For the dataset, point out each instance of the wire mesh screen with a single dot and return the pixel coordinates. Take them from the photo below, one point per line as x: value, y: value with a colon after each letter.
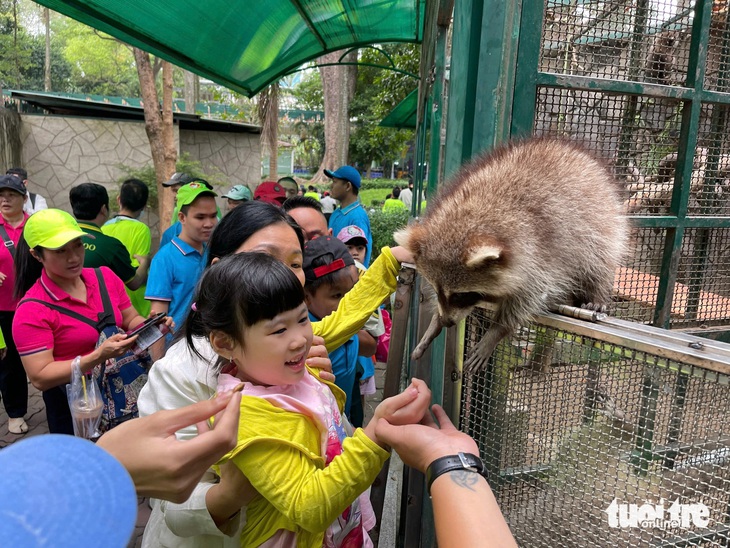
x: 638, y: 41
x: 576, y: 430
x: 638, y: 135
x: 718, y: 48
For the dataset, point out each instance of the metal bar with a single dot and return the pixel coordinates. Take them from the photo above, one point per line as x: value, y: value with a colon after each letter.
x: 642, y: 456
x: 623, y: 87
x: 665, y: 221
x: 528, y: 59
x: 677, y: 414
x: 308, y: 21
x: 496, y: 75
x: 465, y: 57
x: 393, y: 373
x: 700, y: 356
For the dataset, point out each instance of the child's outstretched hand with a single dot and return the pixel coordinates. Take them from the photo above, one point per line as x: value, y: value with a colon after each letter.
x: 408, y: 407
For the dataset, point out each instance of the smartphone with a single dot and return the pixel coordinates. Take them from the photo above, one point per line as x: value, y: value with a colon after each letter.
x: 148, y: 333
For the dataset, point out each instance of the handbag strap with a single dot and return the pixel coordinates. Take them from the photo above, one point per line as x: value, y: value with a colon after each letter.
x: 105, y: 318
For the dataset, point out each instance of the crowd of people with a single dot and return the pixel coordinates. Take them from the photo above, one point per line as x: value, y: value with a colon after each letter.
x: 271, y: 315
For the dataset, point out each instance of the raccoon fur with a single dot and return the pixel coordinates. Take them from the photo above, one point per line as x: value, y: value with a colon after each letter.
x: 529, y: 225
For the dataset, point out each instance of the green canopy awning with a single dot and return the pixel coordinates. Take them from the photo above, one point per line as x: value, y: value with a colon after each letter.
x: 405, y: 113
x: 247, y: 44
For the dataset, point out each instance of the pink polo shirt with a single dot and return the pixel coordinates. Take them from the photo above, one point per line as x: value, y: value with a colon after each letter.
x: 37, y: 328
x: 7, y: 303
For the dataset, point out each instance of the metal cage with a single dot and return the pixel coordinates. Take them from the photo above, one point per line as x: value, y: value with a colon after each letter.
x: 577, y: 421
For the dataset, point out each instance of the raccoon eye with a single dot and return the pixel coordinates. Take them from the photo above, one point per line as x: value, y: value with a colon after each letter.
x: 464, y: 300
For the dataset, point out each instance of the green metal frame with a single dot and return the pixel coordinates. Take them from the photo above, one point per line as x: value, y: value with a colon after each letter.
x: 692, y: 96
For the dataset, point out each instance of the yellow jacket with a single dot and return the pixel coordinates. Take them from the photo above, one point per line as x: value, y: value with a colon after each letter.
x: 282, y: 461
x: 373, y: 287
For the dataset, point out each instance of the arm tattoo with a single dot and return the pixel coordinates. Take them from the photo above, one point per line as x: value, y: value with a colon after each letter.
x: 464, y: 478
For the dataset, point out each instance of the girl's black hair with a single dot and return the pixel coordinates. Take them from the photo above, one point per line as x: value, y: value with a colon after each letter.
x: 243, y: 222
x: 27, y: 268
x: 239, y: 291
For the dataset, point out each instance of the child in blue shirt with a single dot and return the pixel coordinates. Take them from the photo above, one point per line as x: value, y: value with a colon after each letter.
x: 330, y: 272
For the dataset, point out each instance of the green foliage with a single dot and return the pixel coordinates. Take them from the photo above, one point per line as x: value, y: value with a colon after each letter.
x: 383, y: 225
x: 369, y: 184
x: 60, y: 68
x: 308, y: 136
x: 100, y: 64
x: 378, y: 92
x: 15, y: 46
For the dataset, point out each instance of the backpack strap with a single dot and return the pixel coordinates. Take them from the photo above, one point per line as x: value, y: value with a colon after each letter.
x: 8, y: 242
x: 32, y: 196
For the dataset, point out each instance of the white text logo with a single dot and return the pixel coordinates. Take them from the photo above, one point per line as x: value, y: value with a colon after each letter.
x: 648, y: 515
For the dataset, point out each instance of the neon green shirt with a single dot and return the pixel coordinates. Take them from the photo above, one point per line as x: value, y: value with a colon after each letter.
x: 393, y: 204
x: 312, y: 194
x: 135, y: 235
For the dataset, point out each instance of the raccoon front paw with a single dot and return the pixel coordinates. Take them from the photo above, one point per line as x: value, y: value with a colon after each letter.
x: 419, y: 350
x: 476, y: 363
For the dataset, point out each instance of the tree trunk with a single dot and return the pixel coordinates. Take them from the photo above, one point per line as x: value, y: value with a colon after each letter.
x: 158, y: 125
x: 191, y: 91
x: 338, y: 88
x: 268, y: 111
x: 47, y: 67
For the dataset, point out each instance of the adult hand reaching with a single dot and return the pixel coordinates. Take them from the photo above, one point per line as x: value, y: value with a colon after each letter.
x: 160, y: 465
x: 418, y: 445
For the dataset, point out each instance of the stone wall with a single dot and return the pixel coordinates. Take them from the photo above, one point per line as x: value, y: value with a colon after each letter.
x: 61, y: 152
x: 236, y: 156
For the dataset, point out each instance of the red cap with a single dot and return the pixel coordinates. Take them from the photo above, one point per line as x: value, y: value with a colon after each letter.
x: 270, y: 191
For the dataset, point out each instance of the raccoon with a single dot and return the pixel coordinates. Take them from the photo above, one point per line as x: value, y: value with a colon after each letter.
x: 531, y: 224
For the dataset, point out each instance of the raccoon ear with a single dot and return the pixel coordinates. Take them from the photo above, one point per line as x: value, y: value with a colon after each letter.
x: 480, y: 256
x: 410, y: 238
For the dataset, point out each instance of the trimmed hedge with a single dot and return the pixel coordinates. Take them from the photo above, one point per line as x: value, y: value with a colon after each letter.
x: 383, y: 225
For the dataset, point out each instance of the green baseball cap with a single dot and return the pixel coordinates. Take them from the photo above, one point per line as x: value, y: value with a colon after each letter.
x: 51, y: 228
x: 189, y: 193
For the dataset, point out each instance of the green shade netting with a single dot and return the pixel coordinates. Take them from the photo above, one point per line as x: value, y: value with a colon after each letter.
x: 247, y: 44
x: 405, y: 113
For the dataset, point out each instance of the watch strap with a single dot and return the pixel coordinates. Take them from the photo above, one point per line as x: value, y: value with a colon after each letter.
x: 460, y: 461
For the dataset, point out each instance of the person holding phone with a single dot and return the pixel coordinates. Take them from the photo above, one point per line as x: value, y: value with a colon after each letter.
x: 49, y: 267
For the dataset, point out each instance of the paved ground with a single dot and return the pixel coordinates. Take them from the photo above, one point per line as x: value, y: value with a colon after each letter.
x: 36, y: 419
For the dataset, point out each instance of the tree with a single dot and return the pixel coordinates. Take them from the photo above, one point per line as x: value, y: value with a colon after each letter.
x: 159, y: 128
x: 47, y: 56
x: 100, y: 63
x: 15, y: 45
x: 268, y: 112
x: 338, y: 86
x: 378, y: 92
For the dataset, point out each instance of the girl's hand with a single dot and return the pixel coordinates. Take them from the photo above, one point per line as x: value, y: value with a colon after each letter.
x: 115, y: 346
x: 319, y: 359
x: 2, y: 278
x: 408, y: 407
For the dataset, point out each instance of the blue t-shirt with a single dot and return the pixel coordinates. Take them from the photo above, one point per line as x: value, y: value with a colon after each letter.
x: 174, y: 273
x: 344, y: 365
x: 171, y: 232
x: 354, y: 214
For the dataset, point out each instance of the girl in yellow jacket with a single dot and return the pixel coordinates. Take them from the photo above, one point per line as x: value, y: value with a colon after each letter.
x: 292, y: 443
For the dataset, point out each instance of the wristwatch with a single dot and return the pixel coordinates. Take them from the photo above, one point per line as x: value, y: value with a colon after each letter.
x: 460, y: 461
